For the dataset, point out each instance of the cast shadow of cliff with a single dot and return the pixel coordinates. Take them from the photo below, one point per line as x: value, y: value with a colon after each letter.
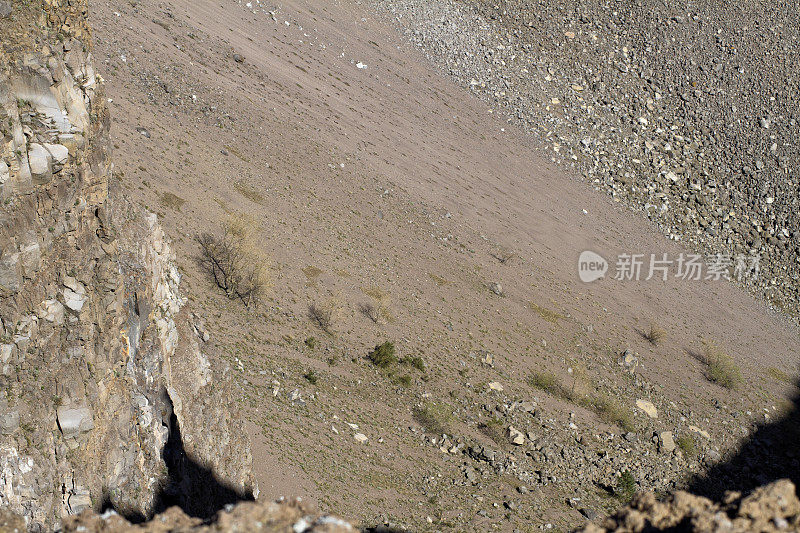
x: 771, y: 453
x: 191, y: 486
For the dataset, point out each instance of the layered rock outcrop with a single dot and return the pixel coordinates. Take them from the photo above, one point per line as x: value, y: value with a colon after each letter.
x: 773, y: 507
x: 106, y: 397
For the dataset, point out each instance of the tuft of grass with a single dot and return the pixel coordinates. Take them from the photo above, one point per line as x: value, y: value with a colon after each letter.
x: 440, y: 281
x: 655, y: 335
x: 602, y: 405
x: 248, y: 192
x: 324, y: 315
x: 311, y: 377
x: 370, y: 311
x: 546, y: 314
x: 434, y: 418
x: 414, y: 361
x: 548, y: 383
x: 494, y: 429
x: 778, y: 375
x: 171, y: 201
x: 610, y: 411
x: 405, y: 380
x: 720, y: 367
x: 311, y: 343
x: 383, y: 355
x: 687, y: 445
x: 626, y: 486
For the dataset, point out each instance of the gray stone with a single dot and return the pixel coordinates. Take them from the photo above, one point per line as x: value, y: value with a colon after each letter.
x: 496, y: 288
x: 590, y: 514
x: 5, y: 9
x: 10, y: 275
x: 9, y: 422
x: 4, y: 171
x: 79, y: 502
x: 74, y: 420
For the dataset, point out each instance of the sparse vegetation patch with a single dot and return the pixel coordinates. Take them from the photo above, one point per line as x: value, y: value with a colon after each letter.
x: 383, y: 355
x: 720, y: 367
x: 236, y: 260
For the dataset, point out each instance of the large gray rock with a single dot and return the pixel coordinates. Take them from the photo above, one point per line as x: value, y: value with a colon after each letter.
x: 38, y: 160
x: 9, y: 422
x: 74, y: 420
x: 10, y: 275
x: 5, y: 9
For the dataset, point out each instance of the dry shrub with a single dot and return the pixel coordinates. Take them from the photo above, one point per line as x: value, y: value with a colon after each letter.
x: 325, y: 314
x: 236, y: 260
x: 371, y: 311
x: 720, y: 367
x: 379, y: 309
x: 655, y: 335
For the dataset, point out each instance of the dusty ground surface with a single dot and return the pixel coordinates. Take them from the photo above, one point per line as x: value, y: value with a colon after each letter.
x: 374, y: 179
x: 686, y: 113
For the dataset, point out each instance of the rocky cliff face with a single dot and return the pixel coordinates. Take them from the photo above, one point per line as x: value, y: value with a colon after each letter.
x: 106, y: 397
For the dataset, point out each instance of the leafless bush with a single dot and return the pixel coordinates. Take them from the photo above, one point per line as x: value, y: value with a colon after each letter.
x: 324, y: 315
x: 236, y: 260
x: 371, y: 311
x: 503, y: 256
x: 655, y: 335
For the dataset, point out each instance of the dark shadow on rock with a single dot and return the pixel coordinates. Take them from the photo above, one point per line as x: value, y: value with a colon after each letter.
x: 771, y: 453
x: 189, y: 485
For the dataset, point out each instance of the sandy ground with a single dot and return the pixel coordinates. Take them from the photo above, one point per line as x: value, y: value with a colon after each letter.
x: 388, y: 181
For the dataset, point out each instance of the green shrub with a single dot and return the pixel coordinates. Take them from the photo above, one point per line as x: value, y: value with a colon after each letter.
x: 687, y: 444
x: 383, y: 355
x: 311, y: 377
x: 415, y: 362
x: 311, y: 343
x: 626, y: 486
x: 405, y: 380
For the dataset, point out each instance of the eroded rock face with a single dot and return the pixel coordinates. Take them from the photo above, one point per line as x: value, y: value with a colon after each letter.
x: 773, y: 507
x: 106, y: 398
x: 292, y: 516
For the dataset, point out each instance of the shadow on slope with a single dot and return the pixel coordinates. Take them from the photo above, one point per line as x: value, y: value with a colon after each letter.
x: 191, y: 486
x: 771, y: 453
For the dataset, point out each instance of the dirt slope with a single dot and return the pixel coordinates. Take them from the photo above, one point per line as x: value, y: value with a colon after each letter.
x: 389, y: 183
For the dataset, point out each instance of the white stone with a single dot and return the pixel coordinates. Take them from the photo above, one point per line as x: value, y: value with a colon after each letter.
x: 666, y: 442
x: 494, y: 385
x: 700, y: 432
x: 58, y: 152
x: 38, y: 159
x: 360, y: 437
x: 515, y: 436
x: 648, y: 408
x: 4, y: 172
x: 5, y: 352
x: 74, y: 300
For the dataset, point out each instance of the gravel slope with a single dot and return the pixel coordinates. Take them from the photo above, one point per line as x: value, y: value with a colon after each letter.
x: 686, y: 112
